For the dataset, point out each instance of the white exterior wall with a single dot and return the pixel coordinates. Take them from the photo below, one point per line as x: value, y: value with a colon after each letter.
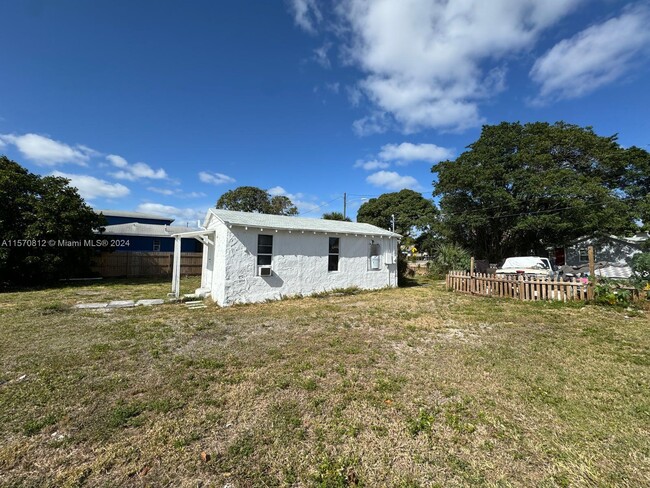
x: 218, y: 288
x: 299, y: 264
x: 610, y: 250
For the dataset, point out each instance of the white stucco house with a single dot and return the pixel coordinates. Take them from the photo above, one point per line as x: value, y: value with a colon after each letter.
x: 252, y: 257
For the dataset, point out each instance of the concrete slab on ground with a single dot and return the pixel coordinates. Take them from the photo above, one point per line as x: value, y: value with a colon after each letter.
x: 149, y: 302
x: 91, y: 305
x: 121, y: 304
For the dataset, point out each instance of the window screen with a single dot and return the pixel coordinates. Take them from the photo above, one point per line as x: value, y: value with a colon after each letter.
x: 583, y: 255
x: 264, y: 249
x: 333, y: 257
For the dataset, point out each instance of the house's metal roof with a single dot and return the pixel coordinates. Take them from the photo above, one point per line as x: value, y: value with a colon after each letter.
x: 147, y: 230
x: 134, y: 215
x: 281, y: 222
x: 636, y: 239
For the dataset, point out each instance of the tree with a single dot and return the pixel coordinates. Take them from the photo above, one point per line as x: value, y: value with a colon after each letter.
x: 336, y: 216
x: 253, y: 199
x: 520, y: 189
x: 413, y: 213
x: 636, y: 183
x: 282, y: 205
x: 36, y: 211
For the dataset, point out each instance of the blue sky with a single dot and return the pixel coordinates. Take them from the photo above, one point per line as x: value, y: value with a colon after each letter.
x: 162, y: 106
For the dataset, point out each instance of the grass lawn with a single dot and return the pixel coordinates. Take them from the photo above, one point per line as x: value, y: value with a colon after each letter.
x: 407, y: 387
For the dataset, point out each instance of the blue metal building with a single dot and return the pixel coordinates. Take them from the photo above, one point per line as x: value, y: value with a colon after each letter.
x: 135, y: 231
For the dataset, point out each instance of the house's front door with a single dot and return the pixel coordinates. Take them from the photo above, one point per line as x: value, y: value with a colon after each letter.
x: 208, y: 264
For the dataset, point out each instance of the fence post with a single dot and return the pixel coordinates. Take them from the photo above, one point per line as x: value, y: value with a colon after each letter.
x: 592, y: 273
x: 521, y: 287
x: 471, y: 275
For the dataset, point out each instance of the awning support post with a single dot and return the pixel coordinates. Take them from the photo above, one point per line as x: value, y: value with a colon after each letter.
x: 176, y: 270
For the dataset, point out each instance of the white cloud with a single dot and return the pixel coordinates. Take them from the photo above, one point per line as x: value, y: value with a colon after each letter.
x: 134, y: 171
x: 320, y: 55
x: 594, y: 57
x: 375, y: 123
x: 90, y: 187
x: 215, y: 178
x: 163, y: 191
x: 304, y: 203
x: 276, y: 191
x: 306, y: 14
x: 181, y: 216
x: 279, y: 191
x: 333, y: 87
x: 371, y: 165
x: 407, y: 151
x: 117, y: 161
x: 392, y: 180
x: 48, y: 152
x: 308, y: 207
x: 177, y: 192
x: 429, y: 63
x: 402, y: 154
x: 354, y: 95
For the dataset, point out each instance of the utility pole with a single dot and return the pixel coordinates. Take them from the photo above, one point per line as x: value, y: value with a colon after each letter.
x: 345, y: 204
x: 392, y: 222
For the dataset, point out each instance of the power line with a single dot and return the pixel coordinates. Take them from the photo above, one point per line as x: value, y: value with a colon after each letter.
x: 475, y: 211
x: 550, y: 210
x: 502, y: 206
x: 320, y: 206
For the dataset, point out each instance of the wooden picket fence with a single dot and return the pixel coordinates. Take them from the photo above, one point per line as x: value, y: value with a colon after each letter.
x: 135, y: 263
x: 519, y: 287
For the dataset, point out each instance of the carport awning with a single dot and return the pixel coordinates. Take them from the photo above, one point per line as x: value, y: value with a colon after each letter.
x: 201, y: 235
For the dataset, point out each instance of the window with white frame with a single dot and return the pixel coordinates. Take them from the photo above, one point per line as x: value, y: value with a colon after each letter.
x: 156, y: 245
x: 333, y: 254
x: 583, y: 255
x: 264, y: 254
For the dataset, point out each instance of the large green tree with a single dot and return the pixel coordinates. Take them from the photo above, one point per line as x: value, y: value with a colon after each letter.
x: 36, y: 210
x: 636, y: 183
x: 253, y: 199
x: 520, y: 189
x: 413, y: 213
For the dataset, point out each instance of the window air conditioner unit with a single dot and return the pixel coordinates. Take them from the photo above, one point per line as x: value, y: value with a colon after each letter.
x: 264, y: 271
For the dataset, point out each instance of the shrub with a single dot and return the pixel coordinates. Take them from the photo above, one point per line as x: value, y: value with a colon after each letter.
x: 448, y: 256
x: 608, y: 292
x: 402, y: 269
x: 641, y: 266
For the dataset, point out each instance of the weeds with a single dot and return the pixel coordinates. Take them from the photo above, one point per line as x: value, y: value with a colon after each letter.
x: 401, y: 387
